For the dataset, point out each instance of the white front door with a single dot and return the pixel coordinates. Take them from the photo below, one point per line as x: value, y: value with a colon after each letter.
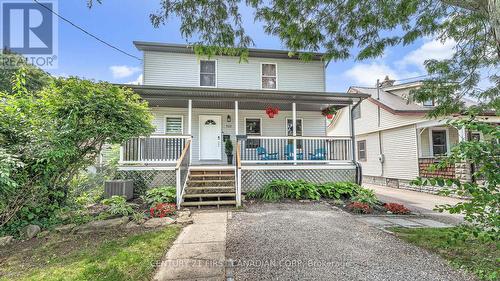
x: 210, y: 137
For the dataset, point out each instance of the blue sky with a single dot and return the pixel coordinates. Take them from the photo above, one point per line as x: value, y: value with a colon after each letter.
x: 120, y: 22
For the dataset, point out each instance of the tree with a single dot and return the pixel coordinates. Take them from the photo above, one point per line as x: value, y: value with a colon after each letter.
x: 364, y: 29
x: 11, y: 63
x: 48, y: 136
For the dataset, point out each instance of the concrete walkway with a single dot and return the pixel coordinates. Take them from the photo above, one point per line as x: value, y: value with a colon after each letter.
x: 199, y: 251
x: 418, y: 202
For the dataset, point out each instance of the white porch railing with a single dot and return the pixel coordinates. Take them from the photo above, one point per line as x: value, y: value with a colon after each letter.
x: 258, y: 149
x: 182, y: 173
x: 159, y: 149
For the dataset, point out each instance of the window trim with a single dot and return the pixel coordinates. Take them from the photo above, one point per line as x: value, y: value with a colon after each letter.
x: 431, y: 144
x: 246, y: 133
x: 165, y: 124
x: 260, y: 77
x: 199, y: 73
x: 286, y: 126
x: 358, y: 150
x: 427, y: 105
x: 356, y: 108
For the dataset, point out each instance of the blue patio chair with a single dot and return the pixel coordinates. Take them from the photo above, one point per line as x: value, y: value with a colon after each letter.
x: 262, y: 153
x: 319, y: 154
x: 289, y: 153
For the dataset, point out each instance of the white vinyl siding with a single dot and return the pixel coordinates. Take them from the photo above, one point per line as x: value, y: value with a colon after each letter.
x: 182, y: 70
x: 313, y: 124
x: 400, y: 151
x: 399, y: 147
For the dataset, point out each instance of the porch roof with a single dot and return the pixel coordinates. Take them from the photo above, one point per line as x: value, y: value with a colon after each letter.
x: 248, y: 99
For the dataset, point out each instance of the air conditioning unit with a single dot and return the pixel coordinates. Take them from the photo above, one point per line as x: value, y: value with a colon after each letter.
x: 123, y: 188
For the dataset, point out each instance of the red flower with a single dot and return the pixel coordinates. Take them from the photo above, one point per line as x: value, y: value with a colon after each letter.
x: 361, y: 208
x: 162, y: 210
x: 396, y: 208
x: 272, y: 111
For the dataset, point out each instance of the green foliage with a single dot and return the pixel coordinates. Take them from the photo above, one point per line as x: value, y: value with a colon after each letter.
x: 138, y: 217
x: 111, y: 256
x: 303, y: 190
x: 338, y: 190
x: 276, y: 190
x: 471, y: 254
x: 34, y: 78
x: 367, y: 196
x: 165, y: 194
x: 118, y: 206
x: 52, y: 135
x: 300, y: 189
x: 483, y: 208
x: 228, y: 147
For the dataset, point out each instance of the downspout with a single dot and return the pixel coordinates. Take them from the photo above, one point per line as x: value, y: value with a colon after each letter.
x: 359, y: 173
x: 380, y: 148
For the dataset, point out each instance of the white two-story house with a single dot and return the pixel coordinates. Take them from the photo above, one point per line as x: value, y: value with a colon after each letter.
x: 269, y: 108
x: 395, y: 140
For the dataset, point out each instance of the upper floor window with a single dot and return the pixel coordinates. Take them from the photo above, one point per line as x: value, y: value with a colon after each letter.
x: 208, y: 75
x: 269, y: 79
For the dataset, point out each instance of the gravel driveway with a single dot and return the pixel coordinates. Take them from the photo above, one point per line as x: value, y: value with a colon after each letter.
x: 312, y: 241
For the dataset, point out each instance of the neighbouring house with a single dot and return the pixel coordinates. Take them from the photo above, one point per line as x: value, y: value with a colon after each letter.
x: 396, y: 142
x: 270, y: 108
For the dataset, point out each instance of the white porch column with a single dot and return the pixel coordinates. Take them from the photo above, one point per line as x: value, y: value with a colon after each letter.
x: 236, y: 119
x: 462, y: 133
x: 294, y: 124
x: 190, y: 126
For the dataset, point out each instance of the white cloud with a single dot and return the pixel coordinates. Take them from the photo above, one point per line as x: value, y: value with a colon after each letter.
x: 122, y: 71
x: 137, y: 81
x: 432, y: 49
x: 366, y: 74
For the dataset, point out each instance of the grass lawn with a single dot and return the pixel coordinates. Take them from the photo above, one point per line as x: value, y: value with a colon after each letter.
x: 112, y: 255
x: 481, y: 258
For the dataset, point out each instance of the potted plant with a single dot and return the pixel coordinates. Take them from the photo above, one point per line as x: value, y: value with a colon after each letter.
x: 229, y: 151
x: 272, y: 111
x: 329, y: 112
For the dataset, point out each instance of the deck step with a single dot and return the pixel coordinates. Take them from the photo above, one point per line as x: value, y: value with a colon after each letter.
x: 211, y: 176
x: 209, y: 203
x: 197, y: 195
x: 210, y: 181
x: 208, y: 188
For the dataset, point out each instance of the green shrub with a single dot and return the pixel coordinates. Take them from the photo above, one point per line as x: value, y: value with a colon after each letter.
x: 118, y: 206
x: 338, y: 190
x: 164, y: 194
x: 252, y: 195
x: 365, y: 195
x: 275, y: 190
x: 303, y: 190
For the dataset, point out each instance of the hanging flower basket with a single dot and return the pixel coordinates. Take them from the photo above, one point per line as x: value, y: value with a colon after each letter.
x: 272, y: 111
x: 329, y: 112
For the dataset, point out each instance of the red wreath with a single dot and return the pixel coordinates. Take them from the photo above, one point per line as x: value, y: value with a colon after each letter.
x: 272, y: 111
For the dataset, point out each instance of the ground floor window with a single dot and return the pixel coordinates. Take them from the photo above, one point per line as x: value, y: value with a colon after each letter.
x: 253, y: 128
x: 289, y: 131
x: 362, y: 150
x: 173, y: 124
x: 439, y: 142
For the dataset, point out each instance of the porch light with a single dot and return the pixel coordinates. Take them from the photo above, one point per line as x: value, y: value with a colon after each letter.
x: 228, y: 118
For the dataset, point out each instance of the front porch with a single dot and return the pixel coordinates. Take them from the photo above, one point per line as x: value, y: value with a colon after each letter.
x: 192, y: 126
